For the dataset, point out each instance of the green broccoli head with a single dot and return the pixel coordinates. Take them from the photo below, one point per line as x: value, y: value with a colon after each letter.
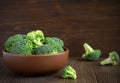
x: 37, y: 37
x: 34, y: 41
x: 11, y: 40
x: 45, y: 49
x: 55, y: 42
x: 69, y: 72
x: 113, y: 59
x: 59, y: 41
x: 90, y: 54
x: 22, y: 46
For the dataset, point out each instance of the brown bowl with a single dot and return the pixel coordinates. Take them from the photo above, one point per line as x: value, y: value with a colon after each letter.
x: 36, y: 64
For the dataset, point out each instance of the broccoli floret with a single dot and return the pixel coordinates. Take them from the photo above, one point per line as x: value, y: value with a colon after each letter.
x: 11, y: 40
x: 113, y: 59
x: 59, y: 41
x: 45, y: 49
x: 22, y: 46
x: 37, y: 37
x: 59, y: 49
x: 55, y: 42
x: 90, y: 54
x: 69, y: 72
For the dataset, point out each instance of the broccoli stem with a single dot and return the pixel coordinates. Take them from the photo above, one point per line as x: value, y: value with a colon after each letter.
x: 88, y: 48
x: 74, y: 76
x: 106, y: 61
x: 69, y: 76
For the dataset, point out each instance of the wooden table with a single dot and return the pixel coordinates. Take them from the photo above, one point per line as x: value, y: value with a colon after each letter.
x: 87, y: 72
x: 75, y: 22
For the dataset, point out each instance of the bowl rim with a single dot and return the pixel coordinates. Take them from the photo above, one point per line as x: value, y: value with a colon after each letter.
x: 45, y: 55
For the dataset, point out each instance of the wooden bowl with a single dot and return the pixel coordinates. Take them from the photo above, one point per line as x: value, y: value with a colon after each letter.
x: 36, y: 64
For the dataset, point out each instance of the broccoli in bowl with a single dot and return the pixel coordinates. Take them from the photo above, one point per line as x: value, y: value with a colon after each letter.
x: 33, y: 42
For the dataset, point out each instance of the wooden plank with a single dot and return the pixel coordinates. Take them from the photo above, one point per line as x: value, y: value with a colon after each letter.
x: 93, y: 21
x: 106, y: 74
x: 101, y: 38
x: 87, y: 72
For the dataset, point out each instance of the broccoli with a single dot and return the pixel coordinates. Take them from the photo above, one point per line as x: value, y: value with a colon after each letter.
x: 22, y: 46
x: 113, y: 59
x: 90, y: 54
x: 37, y: 37
x: 69, y: 72
x: 33, y: 42
x: 59, y: 41
x: 11, y: 40
x: 44, y: 49
x: 55, y: 42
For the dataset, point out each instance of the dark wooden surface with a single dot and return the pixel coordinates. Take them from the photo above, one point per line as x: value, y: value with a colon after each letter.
x: 87, y: 72
x: 96, y: 22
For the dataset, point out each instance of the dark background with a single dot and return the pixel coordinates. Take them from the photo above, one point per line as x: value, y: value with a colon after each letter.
x: 96, y: 22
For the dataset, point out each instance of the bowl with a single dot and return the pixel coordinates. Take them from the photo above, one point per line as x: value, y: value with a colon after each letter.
x: 35, y: 64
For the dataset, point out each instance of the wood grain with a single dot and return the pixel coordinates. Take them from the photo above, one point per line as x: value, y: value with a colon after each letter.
x: 87, y: 72
x: 96, y: 22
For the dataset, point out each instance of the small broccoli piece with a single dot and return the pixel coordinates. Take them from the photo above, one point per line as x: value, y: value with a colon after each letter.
x: 11, y: 40
x: 52, y: 40
x: 22, y: 46
x: 113, y: 59
x: 59, y: 49
x: 90, y: 54
x: 59, y: 41
x: 45, y: 49
x: 55, y: 42
x: 37, y: 37
x: 69, y: 72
